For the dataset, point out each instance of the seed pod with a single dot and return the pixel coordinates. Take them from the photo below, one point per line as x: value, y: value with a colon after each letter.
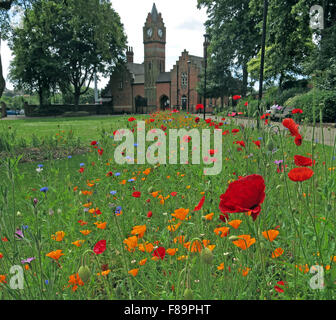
x: 84, y: 273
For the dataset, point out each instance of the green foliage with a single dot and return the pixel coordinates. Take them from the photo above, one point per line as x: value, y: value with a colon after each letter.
x: 324, y: 101
x: 90, y: 31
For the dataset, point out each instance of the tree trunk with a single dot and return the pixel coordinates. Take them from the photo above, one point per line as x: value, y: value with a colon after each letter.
x: 76, y: 98
x: 2, y: 80
x: 245, y: 80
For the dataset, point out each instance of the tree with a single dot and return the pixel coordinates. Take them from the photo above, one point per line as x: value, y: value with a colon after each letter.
x: 76, y: 38
x: 5, y: 26
x: 234, y: 37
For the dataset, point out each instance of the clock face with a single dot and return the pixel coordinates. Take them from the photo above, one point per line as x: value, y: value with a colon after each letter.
x: 149, y: 32
x: 160, y: 33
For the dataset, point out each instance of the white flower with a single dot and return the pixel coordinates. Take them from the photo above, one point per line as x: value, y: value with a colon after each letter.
x: 39, y: 170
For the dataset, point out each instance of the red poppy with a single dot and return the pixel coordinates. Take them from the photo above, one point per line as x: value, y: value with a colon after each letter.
x: 100, y: 247
x: 100, y: 151
x: 224, y: 217
x: 173, y: 194
x: 159, y: 252
x: 81, y: 170
x: 197, y: 120
x: 235, y: 130
x: 199, y: 107
x: 295, y: 111
x: 131, y: 119
x: 300, y: 174
x: 136, y: 194
x: 246, y: 104
x: 298, y: 140
x: 257, y: 143
x: 93, y: 143
x: 241, y: 143
x: 244, y: 195
x: 149, y: 214
x: 291, y: 126
x: 200, y: 204
x: 163, y: 128
x: 151, y: 120
x: 301, y: 161
x: 236, y: 97
x: 109, y: 174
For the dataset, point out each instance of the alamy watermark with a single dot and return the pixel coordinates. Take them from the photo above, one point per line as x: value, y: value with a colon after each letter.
x: 317, y: 17
x: 156, y: 153
x: 17, y: 279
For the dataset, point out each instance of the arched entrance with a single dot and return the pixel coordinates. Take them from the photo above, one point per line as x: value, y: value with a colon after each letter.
x: 164, y: 102
x: 184, y: 103
x: 140, y: 104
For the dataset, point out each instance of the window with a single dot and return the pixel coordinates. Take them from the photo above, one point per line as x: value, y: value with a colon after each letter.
x: 184, y: 81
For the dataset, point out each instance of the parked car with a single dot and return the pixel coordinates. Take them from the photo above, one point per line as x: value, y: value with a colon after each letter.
x: 12, y: 112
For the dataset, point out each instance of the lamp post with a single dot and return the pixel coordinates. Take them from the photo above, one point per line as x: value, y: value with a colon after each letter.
x: 262, y: 60
x: 189, y: 62
x: 205, y: 45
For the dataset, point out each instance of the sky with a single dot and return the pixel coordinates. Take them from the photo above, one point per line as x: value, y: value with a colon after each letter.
x: 184, y: 29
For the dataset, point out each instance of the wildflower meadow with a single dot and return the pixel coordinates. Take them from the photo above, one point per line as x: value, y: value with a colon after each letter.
x: 80, y: 226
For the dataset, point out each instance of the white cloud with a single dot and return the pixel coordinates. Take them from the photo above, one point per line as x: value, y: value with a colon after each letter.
x: 183, y: 21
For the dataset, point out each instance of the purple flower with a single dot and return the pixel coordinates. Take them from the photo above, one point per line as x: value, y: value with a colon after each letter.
x: 278, y: 162
x: 28, y: 260
x: 19, y: 234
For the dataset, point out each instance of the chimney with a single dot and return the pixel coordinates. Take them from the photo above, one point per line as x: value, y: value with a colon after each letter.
x: 130, y: 54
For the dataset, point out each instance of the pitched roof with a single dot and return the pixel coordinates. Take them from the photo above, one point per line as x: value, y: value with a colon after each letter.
x: 164, y: 77
x: 136, y: 68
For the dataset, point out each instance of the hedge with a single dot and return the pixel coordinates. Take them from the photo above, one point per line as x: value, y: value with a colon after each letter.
x: 58, y: 110
x: 324, y: 101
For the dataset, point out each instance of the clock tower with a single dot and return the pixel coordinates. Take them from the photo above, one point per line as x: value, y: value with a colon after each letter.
x: 154, y: 35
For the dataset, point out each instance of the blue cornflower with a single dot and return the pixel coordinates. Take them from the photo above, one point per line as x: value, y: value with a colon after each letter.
x: 40, y: 165
x: 131, y: 180
x: 118, y: 210
x: 69, y: 157
x: 44, y: 189
x: 135, y: 144
x: 82, y: 164
x: 113, y: 192
x: 117, y: 174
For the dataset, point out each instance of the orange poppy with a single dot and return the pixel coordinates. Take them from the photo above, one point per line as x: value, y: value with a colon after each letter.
x: 78, y: 243
x: 133, y: 272
x: 173, y: 227
x: 270, y: 234
x: 235, y: 223
x: 58, y: 236
x: 139, y: 231
x: 277, y: 252
x: 171, y: 252
x: 143, y: 261
x: 85, y: 232
x: 244, y: 242
x: 100, y: 225
x: 131, y: 243
x: 55, y: 254
x: 180, y: 213
x: 179, y: 239
x: 222, y: 231
x: 148, y: 247
x: 209, y: 216
x: 221, y: 266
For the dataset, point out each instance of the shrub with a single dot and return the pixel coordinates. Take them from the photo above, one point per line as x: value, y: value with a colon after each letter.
x: 325, y: 101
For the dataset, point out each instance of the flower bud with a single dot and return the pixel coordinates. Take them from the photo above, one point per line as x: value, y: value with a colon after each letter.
x: 188, y: 294
x: 84, y: 273
x: 206, y: 256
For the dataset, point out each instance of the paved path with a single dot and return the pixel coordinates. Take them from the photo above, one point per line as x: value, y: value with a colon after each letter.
x: 329, y: 130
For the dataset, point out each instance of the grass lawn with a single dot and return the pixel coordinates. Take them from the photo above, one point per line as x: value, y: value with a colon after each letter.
x: 84, y: 227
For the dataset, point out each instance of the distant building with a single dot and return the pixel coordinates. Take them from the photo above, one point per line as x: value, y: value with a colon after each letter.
x: 147, y: 87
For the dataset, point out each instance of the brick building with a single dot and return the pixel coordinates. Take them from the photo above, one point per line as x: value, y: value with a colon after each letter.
x: 147, y: 87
